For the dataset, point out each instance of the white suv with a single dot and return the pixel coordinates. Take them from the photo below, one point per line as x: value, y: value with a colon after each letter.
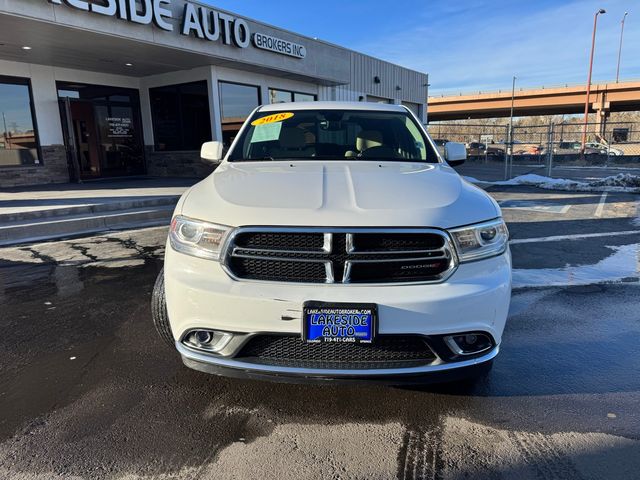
x: 333, y: 242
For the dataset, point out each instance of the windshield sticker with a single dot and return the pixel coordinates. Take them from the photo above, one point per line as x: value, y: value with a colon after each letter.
x: 276, y: 117
x: 266, y: 133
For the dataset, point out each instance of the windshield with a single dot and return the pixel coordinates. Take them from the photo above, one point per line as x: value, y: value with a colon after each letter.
x: 333, y: 135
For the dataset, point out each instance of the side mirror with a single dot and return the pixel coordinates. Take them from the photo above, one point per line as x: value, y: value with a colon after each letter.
x: 455, y: 153
x: 211, y: 152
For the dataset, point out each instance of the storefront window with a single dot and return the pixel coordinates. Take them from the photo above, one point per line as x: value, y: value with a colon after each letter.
x: 283, y: 96
x: 303, y: 97
x: 237, y: 101
x: 280, y: 96
x: 62, y: 93
x: 18, y: 140
x: 181, y: 118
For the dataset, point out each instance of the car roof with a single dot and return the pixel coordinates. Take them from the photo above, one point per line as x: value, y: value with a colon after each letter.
x: 365, y: 106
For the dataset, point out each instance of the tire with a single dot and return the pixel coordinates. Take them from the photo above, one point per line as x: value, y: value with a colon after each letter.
x: 159, y: 311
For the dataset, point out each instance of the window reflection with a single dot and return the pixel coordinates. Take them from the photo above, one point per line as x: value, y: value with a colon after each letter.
x: 237, y: 102
x: 279, y: 96
x: 303, y: 97
x: 18, y: 142
x: 284, y: 96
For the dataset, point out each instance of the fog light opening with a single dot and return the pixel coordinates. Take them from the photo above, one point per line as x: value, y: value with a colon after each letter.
x: 469, y: 343
x: 207, y: 340
x: 203, y: 337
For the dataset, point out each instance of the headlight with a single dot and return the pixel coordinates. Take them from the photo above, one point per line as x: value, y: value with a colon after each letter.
x: 482, y: 240
x: 196, y: 238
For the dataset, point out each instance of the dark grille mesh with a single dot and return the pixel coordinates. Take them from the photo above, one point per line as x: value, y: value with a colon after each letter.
x: 281, y: 240
x: 390, y: 351
x: 278, y: 271
x: 405, y: 271
x: 397, y: 241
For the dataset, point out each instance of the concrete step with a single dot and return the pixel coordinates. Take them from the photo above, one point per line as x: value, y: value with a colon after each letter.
x: 49, y: 228
x: 43, y: 210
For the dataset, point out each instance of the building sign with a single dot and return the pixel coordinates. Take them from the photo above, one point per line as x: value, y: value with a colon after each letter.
x: 197, y: 20
x: 273, y: 44
x: 211, y: 25
x: 120, y: 127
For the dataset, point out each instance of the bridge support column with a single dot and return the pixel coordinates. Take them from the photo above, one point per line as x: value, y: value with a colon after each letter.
x: 603, y: 111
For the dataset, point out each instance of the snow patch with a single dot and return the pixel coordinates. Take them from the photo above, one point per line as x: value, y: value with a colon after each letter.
x: 623, y: 182
x: 624, y: 263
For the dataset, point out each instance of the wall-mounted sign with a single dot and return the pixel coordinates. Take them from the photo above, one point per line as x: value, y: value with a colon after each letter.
x: 197, y: 20
x: 211, y: 25
x: 277, y: 45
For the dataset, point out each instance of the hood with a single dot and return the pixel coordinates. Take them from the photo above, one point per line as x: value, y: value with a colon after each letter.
x: 340, y: 193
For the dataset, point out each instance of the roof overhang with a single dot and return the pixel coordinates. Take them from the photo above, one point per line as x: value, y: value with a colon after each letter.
x: 62, y: 37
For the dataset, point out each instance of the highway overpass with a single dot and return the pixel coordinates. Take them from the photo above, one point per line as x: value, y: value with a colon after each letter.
x: 604, y: 98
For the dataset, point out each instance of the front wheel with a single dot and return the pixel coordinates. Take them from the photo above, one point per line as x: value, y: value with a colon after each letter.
x: 159, y: 311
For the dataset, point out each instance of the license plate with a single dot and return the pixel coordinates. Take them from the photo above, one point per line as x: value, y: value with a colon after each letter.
x: 339, y: 322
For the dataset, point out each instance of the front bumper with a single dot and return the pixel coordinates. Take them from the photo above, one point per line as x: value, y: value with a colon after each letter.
x: 228, y: 367
x: 200, y: 294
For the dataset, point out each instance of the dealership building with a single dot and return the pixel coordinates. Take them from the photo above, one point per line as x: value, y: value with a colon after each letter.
x: 93, y: 89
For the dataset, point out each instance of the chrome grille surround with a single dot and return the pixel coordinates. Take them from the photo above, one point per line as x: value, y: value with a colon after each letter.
x: 314, y: 258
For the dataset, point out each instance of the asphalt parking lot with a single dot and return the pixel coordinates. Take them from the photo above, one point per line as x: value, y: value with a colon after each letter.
x: 87, y: 389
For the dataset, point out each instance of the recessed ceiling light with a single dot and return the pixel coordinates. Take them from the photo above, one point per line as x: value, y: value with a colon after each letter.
x: 128, y: 64
x: 26, y: 48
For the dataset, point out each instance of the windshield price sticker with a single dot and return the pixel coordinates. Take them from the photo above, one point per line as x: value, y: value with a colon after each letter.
x: 276, y: 117
x: 266, y: 132
x: 339, y: 325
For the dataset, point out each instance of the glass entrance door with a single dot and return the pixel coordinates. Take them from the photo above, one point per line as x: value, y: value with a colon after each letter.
x: 104, y: 131
x: 86, y: 139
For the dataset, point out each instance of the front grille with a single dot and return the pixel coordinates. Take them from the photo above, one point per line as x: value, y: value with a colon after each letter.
x: 339, y: 255
x: 387, y: 351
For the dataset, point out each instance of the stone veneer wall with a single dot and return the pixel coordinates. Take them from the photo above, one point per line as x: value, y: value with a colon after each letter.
x: 52, y: 169
x: 176, y: 164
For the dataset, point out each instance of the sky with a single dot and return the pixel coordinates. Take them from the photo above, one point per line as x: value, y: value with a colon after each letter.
x: 470, y: 45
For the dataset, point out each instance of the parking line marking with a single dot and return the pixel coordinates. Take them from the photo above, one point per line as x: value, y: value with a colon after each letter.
x: 600, y: 208
x: 533, y: 206
x: 578, y: 236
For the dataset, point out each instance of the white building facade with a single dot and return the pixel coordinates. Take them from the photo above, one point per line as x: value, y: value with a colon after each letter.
x: 93, y: 89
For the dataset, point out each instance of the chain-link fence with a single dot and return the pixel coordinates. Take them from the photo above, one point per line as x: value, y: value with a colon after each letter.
x: 553, y: 149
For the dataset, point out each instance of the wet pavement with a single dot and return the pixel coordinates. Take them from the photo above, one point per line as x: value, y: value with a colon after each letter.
x: 88, y: 390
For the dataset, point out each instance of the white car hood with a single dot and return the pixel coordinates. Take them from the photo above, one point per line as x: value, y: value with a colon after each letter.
x: 338, y: 193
